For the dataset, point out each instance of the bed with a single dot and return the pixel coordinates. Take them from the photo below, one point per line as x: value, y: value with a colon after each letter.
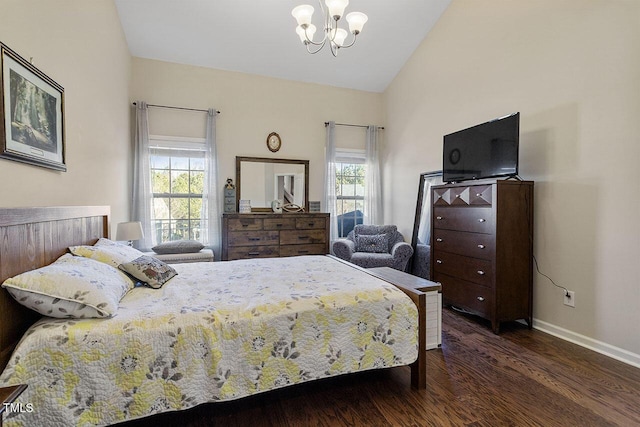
x: 215, y: 332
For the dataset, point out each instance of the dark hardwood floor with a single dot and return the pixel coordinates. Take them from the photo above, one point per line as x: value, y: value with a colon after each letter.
x: 521, y: 377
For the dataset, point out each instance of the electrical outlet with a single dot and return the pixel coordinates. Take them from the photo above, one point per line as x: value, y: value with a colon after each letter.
x: 570, y: 299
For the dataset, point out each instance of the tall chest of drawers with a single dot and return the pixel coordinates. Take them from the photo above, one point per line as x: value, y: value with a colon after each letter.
x: 482, y: 248
x: 268, y: 235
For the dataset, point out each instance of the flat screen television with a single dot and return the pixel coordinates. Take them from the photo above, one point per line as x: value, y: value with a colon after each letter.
x: 486, y: 150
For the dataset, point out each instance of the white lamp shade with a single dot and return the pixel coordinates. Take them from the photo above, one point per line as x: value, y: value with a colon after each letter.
x: 356, y: 21
x: 129, y: 231
x: 311, y: 30
x: 336, y: 7
x: 340, y: 35
x: 303, y: 14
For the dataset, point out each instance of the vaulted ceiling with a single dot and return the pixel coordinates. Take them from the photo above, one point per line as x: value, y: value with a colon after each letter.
x: 258, y: 37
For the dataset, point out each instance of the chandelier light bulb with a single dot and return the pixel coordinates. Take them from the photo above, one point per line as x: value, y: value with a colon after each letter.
x: 310, y: 31
x: 338, y: 36
x: 336, y: 7
x: 303, y: 14
x: 356, y: 21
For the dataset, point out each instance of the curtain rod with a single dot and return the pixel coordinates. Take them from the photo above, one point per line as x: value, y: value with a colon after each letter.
x: 355, y: 126
x: 178, y: 108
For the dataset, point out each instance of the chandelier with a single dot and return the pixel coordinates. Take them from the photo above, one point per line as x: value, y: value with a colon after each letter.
x: 333, y: 35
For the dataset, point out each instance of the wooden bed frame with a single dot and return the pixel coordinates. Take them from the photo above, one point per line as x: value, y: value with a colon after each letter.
x: 32, y: 238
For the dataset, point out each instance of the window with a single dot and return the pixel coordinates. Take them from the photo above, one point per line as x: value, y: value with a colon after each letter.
x: 350, y: 179
x: 177, y: 182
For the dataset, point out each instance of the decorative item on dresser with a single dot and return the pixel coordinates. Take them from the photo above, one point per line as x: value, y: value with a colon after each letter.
x: 482, y: 248
x: 267, y: 235
x: 229, y: 196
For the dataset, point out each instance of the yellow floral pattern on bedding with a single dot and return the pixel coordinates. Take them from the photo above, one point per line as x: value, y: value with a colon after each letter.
x: 216, y: 331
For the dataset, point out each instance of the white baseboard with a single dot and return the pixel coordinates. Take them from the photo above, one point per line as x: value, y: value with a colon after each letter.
x: 583, y: 341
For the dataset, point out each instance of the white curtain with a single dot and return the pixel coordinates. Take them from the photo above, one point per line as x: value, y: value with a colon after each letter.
x: 141, y: 204
x: 373, y: 187
x: 330, y: 180
x: 211, y: 212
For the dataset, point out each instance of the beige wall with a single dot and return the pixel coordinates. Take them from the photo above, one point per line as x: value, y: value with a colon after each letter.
x: 572, y: 68
x: 252, y: 107
x: 81, y: 46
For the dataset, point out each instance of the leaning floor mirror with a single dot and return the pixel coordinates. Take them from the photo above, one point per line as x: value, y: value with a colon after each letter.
x: 420, y: 263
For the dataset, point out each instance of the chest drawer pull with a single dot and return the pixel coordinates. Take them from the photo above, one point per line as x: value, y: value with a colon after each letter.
x: 438, y: 240
x: 439, y: 218
x: 303, y: 237
x: 481, y: 220
x: 480, y: 272
x: 480, y: 298
x: 254, y: 239
x: 438, y: 261
x: 481, y: 246
x: 253, y: 253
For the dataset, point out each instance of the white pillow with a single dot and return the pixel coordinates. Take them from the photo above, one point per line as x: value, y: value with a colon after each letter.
x: 107, y: 251
x: 73, y: 287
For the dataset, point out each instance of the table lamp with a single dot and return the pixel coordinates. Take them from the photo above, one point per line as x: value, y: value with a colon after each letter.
x: 129, y: 231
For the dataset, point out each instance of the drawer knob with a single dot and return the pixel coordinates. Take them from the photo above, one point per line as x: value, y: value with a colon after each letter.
x: 481, y: 246
x: 438, y: 240
x: 439, y: 218
x: 457, y: 196
x: 478, y: 195
x: 438, y: 261
x: 480, y: 298
x: 482, y: 220
x: 480, y: 272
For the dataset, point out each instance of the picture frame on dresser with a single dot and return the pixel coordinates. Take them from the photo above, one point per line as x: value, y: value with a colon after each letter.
x: 32, y: 114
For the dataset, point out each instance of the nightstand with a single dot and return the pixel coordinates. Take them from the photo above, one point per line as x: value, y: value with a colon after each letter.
x: 9, y: 395
x: 205, y: 255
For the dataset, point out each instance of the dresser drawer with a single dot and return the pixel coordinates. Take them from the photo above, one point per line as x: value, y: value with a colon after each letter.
x: 471, y: 269
x: 477, y: 245
x: 464, y: 195
x: 247, y: 252
x: 253, y: 238
x: 310, y: 223
x: 300, y: 237
x: 279, y: 223
x: 474, y: 219
x: 293, y: 250
x: 248, y: 224
x: 467, y: 295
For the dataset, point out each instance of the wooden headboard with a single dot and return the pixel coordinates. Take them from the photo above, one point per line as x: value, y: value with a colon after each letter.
x: 31, y: 238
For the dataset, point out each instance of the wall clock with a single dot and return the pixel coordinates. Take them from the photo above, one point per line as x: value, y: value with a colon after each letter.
x: 274, y: 142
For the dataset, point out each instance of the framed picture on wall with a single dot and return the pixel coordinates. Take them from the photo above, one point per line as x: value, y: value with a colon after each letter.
x: 32, y: 113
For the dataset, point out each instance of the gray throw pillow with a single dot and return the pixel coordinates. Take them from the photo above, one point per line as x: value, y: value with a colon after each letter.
x: 153, y: 272
x: 376, y: 243
x: 178, y: 247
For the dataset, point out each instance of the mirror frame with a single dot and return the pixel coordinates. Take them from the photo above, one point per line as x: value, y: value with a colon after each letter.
x: 418, y: 216
x: 240, y: 159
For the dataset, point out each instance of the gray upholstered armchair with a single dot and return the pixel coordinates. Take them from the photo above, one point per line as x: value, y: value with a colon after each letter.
x: 374, y: 246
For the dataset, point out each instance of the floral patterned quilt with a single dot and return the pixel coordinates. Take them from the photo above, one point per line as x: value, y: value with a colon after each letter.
x: 216, y: 331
